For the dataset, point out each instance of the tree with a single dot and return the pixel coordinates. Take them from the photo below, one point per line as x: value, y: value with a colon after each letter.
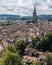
x: 20, y: 46
x: 49, y: 35
x: 10, y: 48
x: 51, y: 47
x: 48, y: 40
x: 10, y: 56
x: 35, y: 62
x: 48, y: 60
x: 38, y: 45
x: 44, y: 42
x: 11, y: 59
x: 35, y: 40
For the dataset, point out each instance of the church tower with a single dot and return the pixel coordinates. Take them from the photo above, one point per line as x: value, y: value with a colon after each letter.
x: 34, y: 16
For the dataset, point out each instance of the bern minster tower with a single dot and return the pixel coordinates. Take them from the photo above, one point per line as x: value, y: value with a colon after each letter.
x: 34, y: 16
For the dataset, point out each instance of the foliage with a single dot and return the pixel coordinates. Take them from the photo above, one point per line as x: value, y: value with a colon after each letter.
x: 10, y: 48
x: 35, y: 54
x: 35, y: 62
x: 10, y: 56
x: 48, y: 60
x: 11, y: 59
x: 44, y: 43
x: 20, y: 46
x: 35, y: 40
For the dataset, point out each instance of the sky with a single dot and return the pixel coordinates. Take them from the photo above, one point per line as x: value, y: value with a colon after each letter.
x: 25, y: 7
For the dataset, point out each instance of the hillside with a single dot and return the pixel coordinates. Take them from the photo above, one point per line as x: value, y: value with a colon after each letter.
x: 18, y: 17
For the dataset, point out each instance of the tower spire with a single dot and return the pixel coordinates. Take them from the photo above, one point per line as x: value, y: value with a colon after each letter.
x: 34, y: 15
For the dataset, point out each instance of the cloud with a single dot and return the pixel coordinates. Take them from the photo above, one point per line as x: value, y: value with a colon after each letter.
x: 25, y: 7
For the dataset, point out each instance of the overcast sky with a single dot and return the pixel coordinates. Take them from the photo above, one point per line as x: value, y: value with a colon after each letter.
x: 25, y: 7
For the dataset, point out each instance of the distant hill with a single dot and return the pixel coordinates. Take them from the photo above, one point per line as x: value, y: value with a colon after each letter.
x: 18, y: 17
x: 44, y: 17
x: 26, y: 18
x: 9, y: 17
x: 39, y: 17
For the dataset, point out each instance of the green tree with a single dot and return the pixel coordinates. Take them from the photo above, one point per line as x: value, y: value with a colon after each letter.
x: 44, y: 42
x: 10, y: 56
x: 35, y: 62
x: 10, y: 48
x: 20, y: 46
x: 48, y: 60
x: 35, y: 40
x: 49, y: 35
x: 11, y: 59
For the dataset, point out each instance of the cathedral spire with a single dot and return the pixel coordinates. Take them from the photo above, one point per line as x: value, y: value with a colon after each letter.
x: 34, y: 15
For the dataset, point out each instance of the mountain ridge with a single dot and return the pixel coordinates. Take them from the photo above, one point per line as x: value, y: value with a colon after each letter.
x: 18, y: 17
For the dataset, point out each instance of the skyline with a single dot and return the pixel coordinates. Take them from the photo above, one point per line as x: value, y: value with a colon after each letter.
x: 25, y: 7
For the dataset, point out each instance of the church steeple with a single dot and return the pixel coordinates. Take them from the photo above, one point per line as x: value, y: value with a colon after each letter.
x: 34, y: 15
